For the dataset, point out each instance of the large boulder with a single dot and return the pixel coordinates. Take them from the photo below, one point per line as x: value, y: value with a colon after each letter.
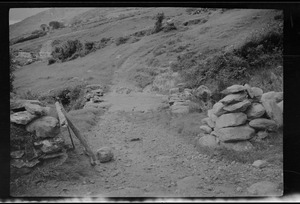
x: 37, y: 109
x: 44, y: 127
x: 231, y: 134
x: 208, y: 141
x: 239, y: 146
x: 264, y: 188
x: 255, y: 110
x: 233, y: 89
x: 238, y: 107
x: 233, y: 98
x: 230, y: 120
x: 273, y: 111
x: 263, y: 124
x: 208, y: 121
x: 217, y: 109
x: 272, y: 95
x: 22, y: 118
x: 203, y: 93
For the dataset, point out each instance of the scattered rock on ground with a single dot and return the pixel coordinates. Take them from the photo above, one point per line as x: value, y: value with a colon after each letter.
x: 262, y: 135
x: 260, y: 163
x: 105, y: 154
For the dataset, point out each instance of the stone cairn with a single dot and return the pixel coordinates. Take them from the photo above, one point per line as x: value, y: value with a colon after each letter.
x: 245, y: 112
x: 45, y: 142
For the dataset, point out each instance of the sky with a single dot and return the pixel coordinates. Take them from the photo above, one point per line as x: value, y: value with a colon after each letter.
x: 19, y: 14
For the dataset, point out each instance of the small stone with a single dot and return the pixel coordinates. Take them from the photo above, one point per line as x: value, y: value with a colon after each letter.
x: 206, y: 129
x: 272, y: 95
x: 105, y: 154
x: 257, y: 92
x: 218, y: 109
x: 45, y: 126
x: 35, y: 109
x: 208, y: 141
x: 260, y: 164
x: 238, y: 107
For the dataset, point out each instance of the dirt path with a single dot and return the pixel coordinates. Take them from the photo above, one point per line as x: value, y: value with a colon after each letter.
x: 150, y: 159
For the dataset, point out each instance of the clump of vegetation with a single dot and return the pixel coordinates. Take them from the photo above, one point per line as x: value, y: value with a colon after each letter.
x: 67, y: 50
x: 145, y: 76
x: 12, y: 68
x: 51, y: 60
x: 158, y: 24
x: 56, y: 25
x: 121, y: 40
x: 261, y: 51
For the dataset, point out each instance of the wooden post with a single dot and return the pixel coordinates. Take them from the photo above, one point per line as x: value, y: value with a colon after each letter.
x: 63, y: 121
x: 80, y: 137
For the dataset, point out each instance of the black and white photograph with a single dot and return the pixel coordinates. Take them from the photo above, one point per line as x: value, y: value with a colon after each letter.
x: 155, y: 102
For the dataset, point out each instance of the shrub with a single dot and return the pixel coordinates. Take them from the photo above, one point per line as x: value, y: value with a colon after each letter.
x: 12, y: 68
x: 56, y: 25
x: 158, y: 24
x: 121, y: 40
x: 51, y: 61
x: 67, y: 49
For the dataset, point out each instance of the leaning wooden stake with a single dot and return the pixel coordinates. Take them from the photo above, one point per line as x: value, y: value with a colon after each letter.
x: 63, y: 121
x: 80, y: 137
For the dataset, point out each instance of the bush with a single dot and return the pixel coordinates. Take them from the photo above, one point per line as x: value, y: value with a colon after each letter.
x: 12, y: 68
x: 66, y: 50
x: 51, y: 61
x: 158, y: 24
x: 121, y: 40
x: 56, y: 25
x: 261, y: 51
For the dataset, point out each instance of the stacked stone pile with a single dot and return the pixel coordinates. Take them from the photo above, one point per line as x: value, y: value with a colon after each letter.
x: 35, y: 119
x: 243, y: 113
x: 94, y: 97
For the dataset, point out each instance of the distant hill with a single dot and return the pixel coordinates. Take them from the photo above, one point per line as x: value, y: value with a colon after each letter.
x: 33, y: 22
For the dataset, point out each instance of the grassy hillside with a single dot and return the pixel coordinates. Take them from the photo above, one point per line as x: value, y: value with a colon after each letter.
x: 215, y: 47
